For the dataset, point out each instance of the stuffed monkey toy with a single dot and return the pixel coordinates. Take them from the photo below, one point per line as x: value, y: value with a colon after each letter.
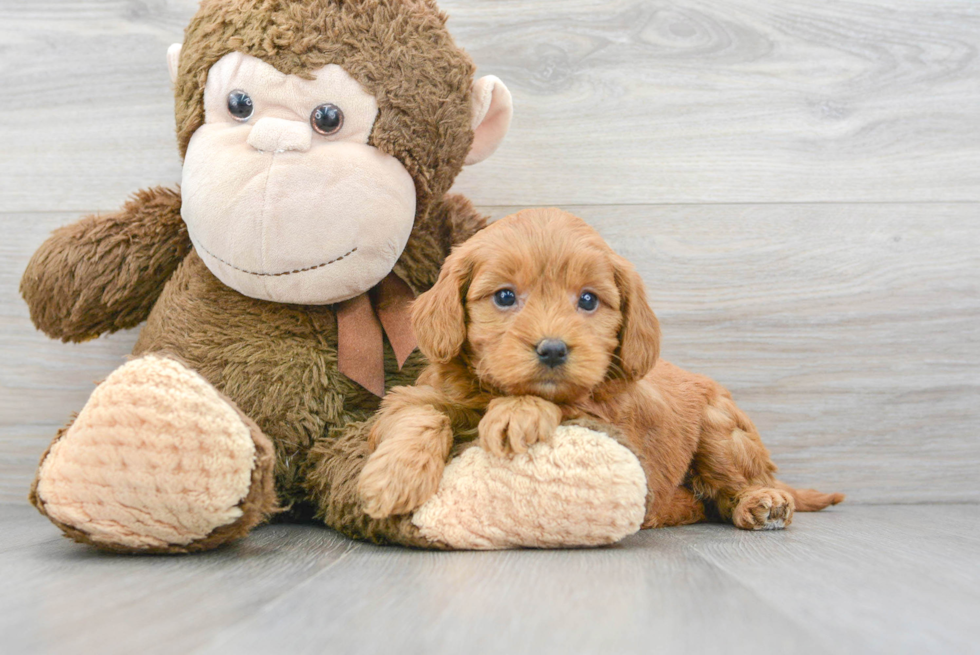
x: 319, y: 140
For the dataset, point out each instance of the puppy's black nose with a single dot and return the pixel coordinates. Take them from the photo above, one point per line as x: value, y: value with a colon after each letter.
x: 552, y: 352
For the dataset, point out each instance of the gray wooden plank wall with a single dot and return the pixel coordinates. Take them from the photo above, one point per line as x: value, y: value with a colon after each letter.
x: 799, y: 184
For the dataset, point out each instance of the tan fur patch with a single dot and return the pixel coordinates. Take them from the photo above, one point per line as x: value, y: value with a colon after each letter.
x: 156, y: 458
x: 513, y: 423
x: 699, y: 451
x: 582, y: 490
x: 405, y: 469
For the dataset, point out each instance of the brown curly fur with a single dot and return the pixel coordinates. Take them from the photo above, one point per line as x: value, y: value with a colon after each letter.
x: 696, y: 446
x: 278, y: 363
x: 118, y: 264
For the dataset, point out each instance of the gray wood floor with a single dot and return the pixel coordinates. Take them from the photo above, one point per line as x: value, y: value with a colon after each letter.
x: 887, y: 579
x: 798, y: 183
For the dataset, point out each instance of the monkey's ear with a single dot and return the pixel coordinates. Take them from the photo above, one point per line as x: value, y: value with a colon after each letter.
x: 173, y: 61
x: 493, y: 108
x: 639, y: 335
x: 438, y: 315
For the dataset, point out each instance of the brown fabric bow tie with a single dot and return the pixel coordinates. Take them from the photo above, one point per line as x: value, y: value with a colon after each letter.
x: 360, y: 320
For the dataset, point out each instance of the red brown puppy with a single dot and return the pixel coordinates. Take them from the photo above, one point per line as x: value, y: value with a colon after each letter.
x: 535, y: 320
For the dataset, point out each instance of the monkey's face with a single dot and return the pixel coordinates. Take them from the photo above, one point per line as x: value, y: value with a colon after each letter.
x: 283, y: 197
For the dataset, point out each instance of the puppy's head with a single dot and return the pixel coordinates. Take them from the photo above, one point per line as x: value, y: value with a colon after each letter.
x: 537, y: 303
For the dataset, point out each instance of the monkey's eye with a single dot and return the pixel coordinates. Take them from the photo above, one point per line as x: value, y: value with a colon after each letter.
x: 588, y: 301
x: 327, y: 119
x: 240, y: 106
x: 504, y: 298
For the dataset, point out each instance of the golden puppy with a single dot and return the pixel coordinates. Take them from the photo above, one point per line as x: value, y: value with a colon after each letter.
x: 535, y: 320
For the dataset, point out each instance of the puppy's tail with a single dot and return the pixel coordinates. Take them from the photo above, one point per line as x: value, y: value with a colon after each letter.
x: 810, y: 500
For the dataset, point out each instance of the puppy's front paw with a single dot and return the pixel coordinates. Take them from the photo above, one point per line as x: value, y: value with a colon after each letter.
x: 405, y: 469
x: 511, y: 425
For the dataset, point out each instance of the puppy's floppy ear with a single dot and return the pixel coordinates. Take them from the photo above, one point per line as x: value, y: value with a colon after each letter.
x: 438, y: 316
x: 639, y: 335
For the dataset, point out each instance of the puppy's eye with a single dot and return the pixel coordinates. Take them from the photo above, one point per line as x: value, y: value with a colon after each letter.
x: 504, y: 298
x: 327, y: 119
x: 588, y: 301
x: 240, y: 106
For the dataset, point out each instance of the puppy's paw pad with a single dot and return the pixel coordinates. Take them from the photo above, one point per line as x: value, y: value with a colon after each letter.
x: 584, y: 489
x: 764, y: 509
x: 155, y: 459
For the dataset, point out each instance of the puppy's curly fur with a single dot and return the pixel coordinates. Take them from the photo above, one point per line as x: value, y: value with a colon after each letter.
x: 532, y: 277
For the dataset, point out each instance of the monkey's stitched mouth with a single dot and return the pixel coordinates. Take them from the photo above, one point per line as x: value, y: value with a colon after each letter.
x: 262, y: 274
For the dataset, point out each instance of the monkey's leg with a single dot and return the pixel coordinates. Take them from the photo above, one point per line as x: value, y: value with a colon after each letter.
x: 733, y: 468
x: 104, y: 272
x: 583, y: 489
x: 157, y: 462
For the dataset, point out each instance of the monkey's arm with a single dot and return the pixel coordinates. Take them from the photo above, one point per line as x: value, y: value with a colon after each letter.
x: 105, y: 272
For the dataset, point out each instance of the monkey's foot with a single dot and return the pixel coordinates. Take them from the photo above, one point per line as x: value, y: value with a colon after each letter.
x: 157, y: 461
x: 583, y: 489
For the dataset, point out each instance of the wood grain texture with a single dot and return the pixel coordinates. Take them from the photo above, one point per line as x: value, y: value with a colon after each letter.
x: 624, y: 101
x: 799, y: 185
x: 883, y: 579
x: 850, y: 333
x: 872, y: 576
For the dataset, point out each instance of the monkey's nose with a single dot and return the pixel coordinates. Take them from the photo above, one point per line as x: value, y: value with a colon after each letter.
x: 552, y: 352
x: 279, y: 135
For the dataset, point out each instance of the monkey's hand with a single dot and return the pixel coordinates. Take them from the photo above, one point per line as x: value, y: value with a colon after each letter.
x: 513, y: 424
x: 105, y: 272
x: 405, y: 468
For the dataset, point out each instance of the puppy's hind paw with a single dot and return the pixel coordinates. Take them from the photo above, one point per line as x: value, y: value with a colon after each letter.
x: 763, y: 509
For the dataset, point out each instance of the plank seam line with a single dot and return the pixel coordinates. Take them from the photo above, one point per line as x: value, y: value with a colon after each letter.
x: 34, y: 544
x: 816, y: 637
x: 226, y: 632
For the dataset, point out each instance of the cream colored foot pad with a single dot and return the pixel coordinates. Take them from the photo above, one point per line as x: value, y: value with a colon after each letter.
x: 156, y: 458
x: 582, y: 490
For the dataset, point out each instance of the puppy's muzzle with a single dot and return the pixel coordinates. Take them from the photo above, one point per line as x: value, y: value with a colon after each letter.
x: 552, y: 352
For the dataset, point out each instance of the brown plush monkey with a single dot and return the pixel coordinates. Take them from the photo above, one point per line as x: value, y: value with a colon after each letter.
x: 320, y: 139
